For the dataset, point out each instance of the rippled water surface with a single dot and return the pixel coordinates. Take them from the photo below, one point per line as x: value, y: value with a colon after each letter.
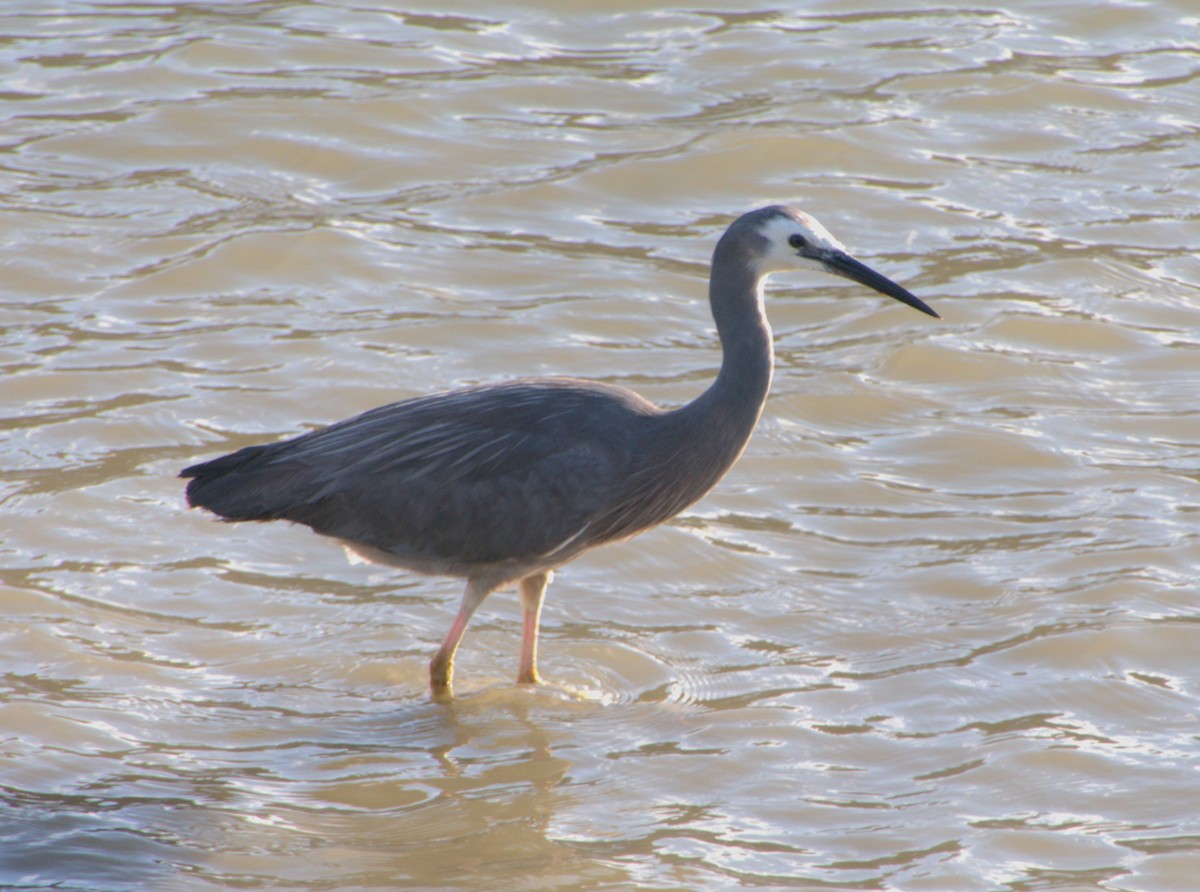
x: 938, y: 630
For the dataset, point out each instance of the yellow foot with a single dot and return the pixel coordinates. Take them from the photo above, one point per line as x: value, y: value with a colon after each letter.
x: 440, y: 676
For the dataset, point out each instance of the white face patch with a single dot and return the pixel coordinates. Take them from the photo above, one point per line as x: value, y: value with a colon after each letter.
x: 781, y: 255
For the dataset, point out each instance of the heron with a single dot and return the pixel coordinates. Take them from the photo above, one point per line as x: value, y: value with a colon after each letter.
x: 503, y: 483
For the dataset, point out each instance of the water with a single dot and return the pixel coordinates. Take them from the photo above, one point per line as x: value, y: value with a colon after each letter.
x: 936, y: 631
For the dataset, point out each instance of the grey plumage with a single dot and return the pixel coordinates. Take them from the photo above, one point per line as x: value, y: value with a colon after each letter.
x: 505, y: 482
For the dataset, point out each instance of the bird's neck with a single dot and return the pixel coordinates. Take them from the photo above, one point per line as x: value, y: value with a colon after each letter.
x: 747, y: 354
x: 724, y: 416
x: 692, y: 447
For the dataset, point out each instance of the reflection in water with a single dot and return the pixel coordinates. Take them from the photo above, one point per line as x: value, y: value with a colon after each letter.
x: 937, y: 630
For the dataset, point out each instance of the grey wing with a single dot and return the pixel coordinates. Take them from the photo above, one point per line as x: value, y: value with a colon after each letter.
x: 469, y: 477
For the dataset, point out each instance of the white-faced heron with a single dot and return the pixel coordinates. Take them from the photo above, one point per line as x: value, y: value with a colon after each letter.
x: 505, y: 482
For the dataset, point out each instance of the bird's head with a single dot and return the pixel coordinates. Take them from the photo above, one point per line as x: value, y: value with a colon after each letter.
x: 791, y: 239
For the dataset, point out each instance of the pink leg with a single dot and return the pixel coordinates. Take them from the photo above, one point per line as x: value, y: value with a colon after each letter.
x: 441, y: 667
x: 533, y: 589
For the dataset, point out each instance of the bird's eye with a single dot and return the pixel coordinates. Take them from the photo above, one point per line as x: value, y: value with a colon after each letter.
x: 797, y: 241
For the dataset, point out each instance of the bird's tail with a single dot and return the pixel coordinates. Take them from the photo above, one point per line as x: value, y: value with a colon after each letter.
x: 232, y: 486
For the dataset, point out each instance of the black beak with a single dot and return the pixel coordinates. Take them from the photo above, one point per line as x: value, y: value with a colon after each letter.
x: 842, y: 264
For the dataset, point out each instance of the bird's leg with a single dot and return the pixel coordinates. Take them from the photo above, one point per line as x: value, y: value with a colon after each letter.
x: 441, y: 667
x: 533, y: 589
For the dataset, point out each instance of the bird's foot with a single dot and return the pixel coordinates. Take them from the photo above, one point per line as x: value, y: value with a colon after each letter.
x: 441, y: 674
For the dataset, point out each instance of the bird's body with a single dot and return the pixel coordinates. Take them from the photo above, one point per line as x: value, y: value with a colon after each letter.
x: 496, y: 481
x: 504, y: 483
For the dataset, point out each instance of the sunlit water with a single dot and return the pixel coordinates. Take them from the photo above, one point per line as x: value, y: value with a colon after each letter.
x: 939, y: 629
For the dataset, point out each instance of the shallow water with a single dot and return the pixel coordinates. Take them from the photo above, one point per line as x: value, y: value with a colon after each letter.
x: 938, y: 629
